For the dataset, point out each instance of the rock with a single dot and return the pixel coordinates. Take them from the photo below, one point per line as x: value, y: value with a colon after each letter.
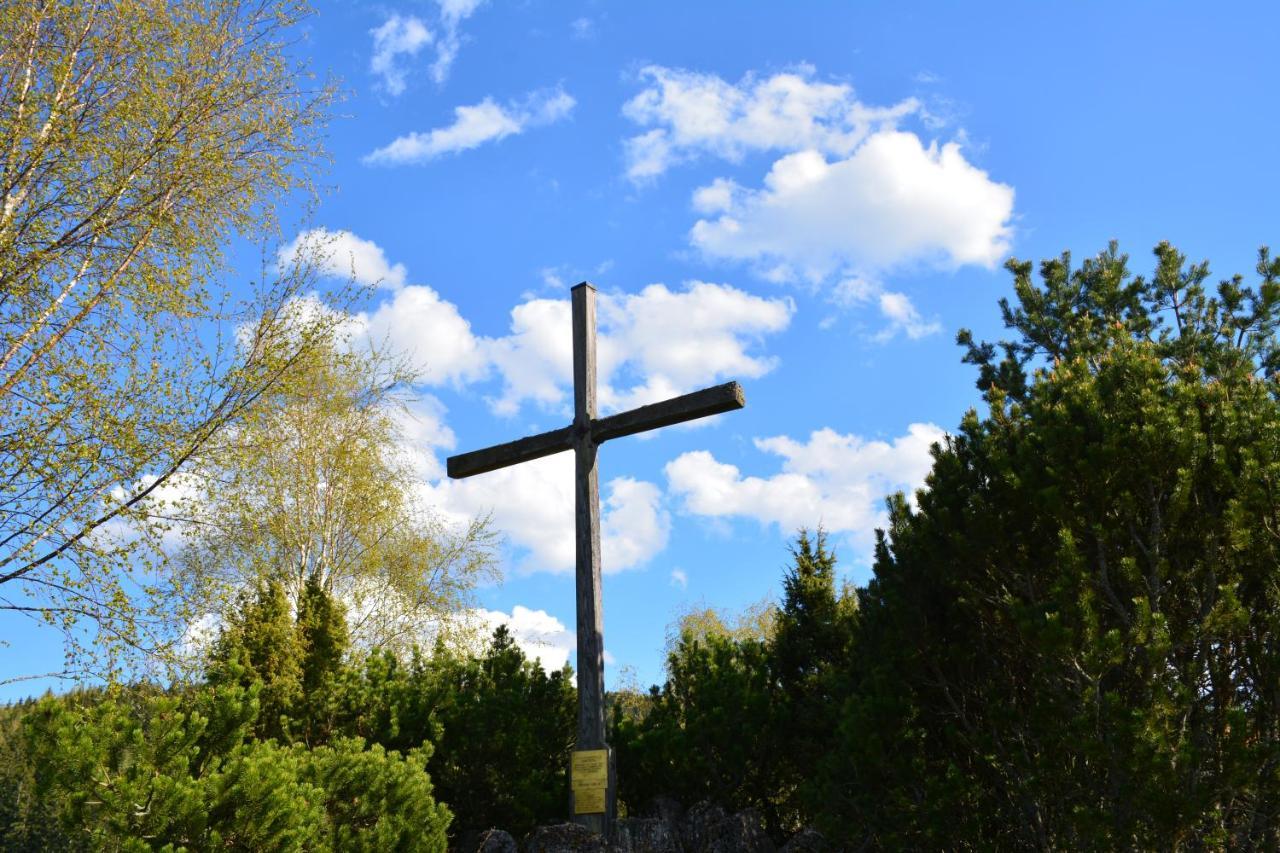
x: 696, y: 827
x: 565, y: 838
x: 739, y: 833
x: 807, y: 840
x: 666, y: 808
x: 669, y: 812
x: 493, y: 841
x: 644, y: 835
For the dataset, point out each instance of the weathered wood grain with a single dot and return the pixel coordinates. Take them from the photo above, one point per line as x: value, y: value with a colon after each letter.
x: 584, y: 437
x: 511, y: 453
x: 699, y: 404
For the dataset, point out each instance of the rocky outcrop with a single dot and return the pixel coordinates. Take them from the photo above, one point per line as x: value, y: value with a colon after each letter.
x: 737, y: 833
x: 565, y: 838
x: 807, y: 840
x: 488, y: 841
x: 697, y: 824
x: 644, y: 835
x: 670, y: 813
x: 664, y: 828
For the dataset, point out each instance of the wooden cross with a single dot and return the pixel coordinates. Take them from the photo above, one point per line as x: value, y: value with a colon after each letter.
x: 583, y: 436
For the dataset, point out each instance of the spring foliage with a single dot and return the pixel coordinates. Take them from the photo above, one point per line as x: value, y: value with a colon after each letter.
x: 136, y: 139
x: 1069, y: 642
x: 318, y: 484
x: 292, y: 744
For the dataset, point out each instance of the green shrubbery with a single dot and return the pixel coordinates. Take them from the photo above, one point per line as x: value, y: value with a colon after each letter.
x: 1070, y: 638
x: 1069, y: 642
x: 288, y: 746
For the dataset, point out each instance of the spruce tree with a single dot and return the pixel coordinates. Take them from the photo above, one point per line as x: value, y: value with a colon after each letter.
x: 322, y: 638
x: 810, y: 646
x: 261, y: 644
x: 1069, y: 643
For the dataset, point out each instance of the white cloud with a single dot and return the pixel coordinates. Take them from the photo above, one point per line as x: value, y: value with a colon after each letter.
x: 452, y: 14
x: 896, y: 308
x: 659, y: 342
x: 836, y: 480
x: 536, y: 632
x: 532, y: 504
x: 679, y: 578
x: 536, y: 358
x: 903, y: 317
x: 582, y: 28
x: 634, y: 526
x: 852, y: 195
x: 893, y: 202
x: 716, y: 197
x: 454, y: 11
x: 342, y: 254
x: 693, y: 114
x: 551, y: 278
x: 475, y: 125
x: 423, y: 430
x: 652, y: 345
x: 398, y: 36
x: 417, y: 324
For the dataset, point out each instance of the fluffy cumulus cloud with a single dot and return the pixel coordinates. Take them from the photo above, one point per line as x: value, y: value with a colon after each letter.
x: 427, y: 330
x: 653, y: 344
x: 532, y: 504
x: 475, y: 125
x: 537, y: 633
x: 852, y: 193
x: 423, y: 431
x: 660, y: 342
x: 536, y: 358
x: 893, y: 201
x: 836, y: 480
x: 693, y: 114
x: 398, y: 38
x: 342, y: 254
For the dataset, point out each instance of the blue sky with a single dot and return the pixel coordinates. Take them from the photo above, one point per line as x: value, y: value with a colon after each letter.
x: 810, y: 198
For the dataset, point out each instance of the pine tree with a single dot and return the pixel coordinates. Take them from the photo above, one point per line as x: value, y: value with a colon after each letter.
x: 1070, y: 642
x: 810, y: 647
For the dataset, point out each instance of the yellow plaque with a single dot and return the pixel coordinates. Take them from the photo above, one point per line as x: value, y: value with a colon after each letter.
x: 588, y: 800
x: 590, y: 769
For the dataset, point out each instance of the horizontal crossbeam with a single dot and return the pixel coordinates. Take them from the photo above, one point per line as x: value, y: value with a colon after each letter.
x: 699, y: 404
x: 688, y: 407
x: 511, y: 453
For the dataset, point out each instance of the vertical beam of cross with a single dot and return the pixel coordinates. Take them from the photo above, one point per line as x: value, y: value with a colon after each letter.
x: 587, y: 524
x: 583, y: 437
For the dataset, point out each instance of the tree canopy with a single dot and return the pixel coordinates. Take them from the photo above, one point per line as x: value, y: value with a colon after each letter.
x: 317, y: 483
x: 136, y: 139
x: 1069, y: 638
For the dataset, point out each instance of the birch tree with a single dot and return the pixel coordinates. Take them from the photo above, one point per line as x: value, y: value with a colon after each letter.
x: 319, y: 484
x: 137, y: 137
